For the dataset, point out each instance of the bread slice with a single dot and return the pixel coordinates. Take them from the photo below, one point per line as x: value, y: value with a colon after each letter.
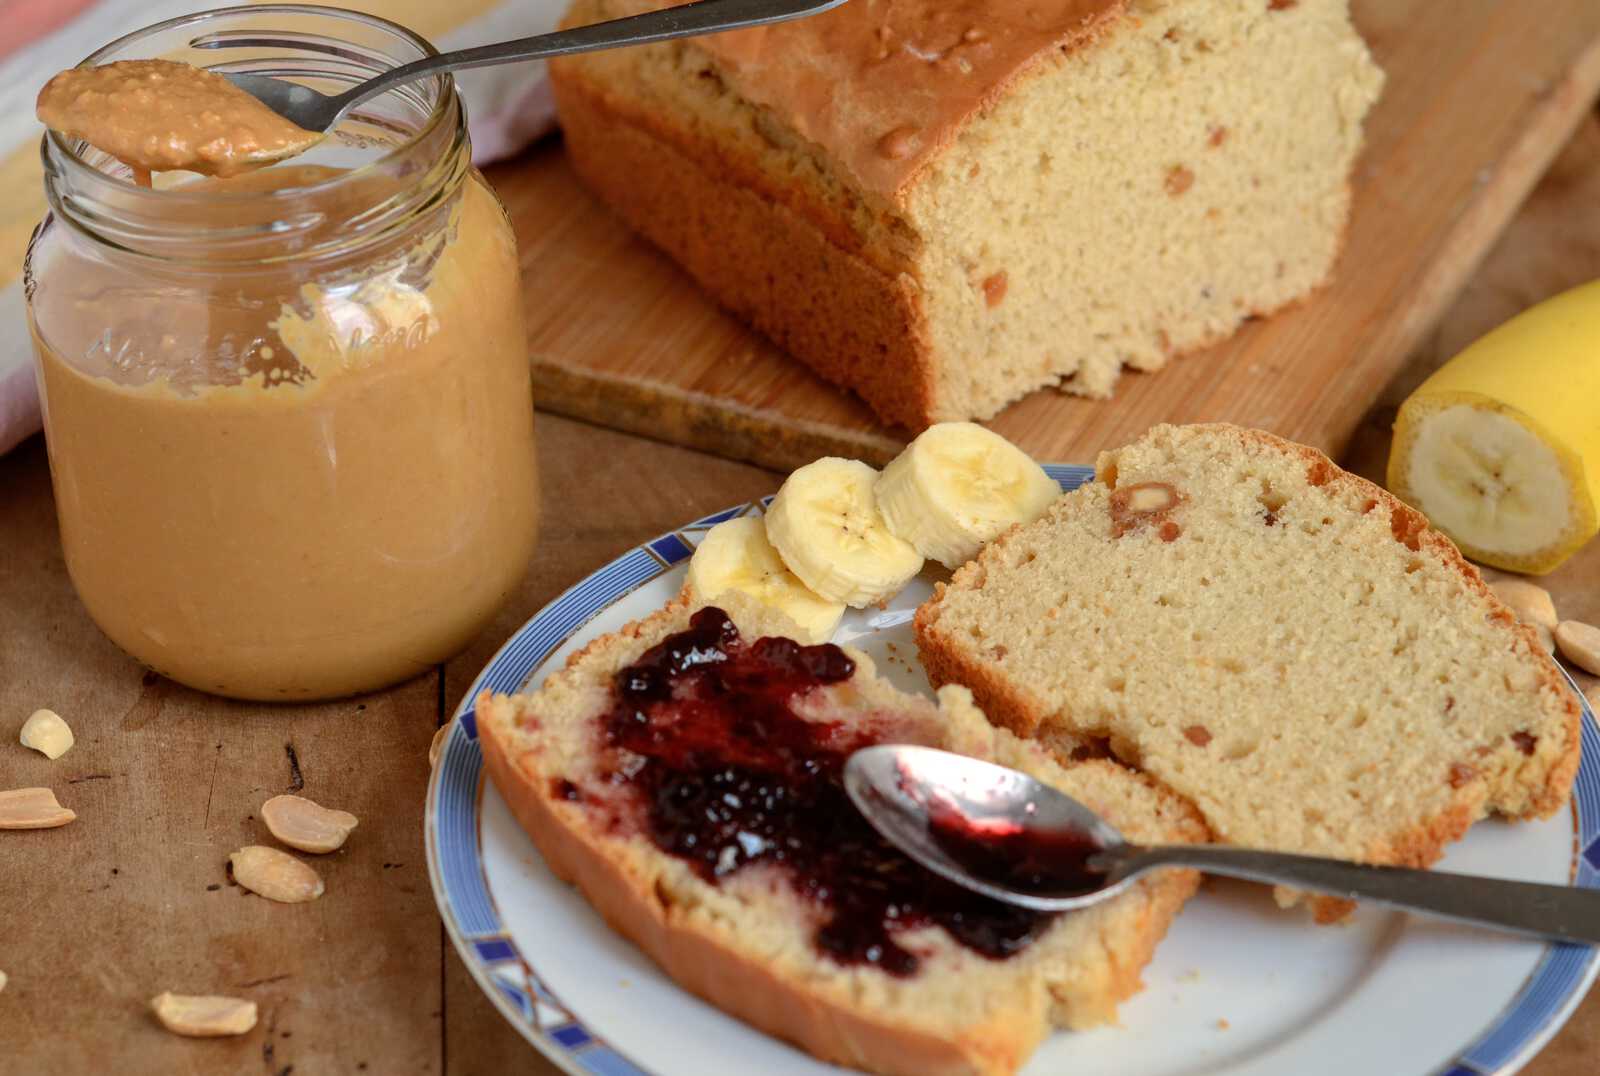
x: 745, y: 941
x: 1286, y: 645
x: 946, y: 206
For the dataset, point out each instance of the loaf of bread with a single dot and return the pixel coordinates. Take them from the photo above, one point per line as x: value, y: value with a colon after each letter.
x: 1282, y: 643
x: 946, y: 205
x: 748, y: 933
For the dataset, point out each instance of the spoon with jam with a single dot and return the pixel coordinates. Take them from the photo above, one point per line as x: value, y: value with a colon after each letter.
x: 1008, y: 836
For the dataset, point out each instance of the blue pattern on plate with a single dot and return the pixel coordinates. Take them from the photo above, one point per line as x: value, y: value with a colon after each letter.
x: 468, y: 911
x: 495, y: 949
x: 671, y: 548
x: 572, y: 1036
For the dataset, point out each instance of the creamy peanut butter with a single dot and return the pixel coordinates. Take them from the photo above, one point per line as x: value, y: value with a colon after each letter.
x: 159, y: 115
x: 274, y: 491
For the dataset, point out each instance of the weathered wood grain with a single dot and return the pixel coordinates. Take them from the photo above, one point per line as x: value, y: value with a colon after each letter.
x: 98, y: 916
x: 1481, y: 94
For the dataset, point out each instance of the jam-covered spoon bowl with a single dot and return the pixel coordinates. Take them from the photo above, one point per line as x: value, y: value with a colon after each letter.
x: 1002, y: 833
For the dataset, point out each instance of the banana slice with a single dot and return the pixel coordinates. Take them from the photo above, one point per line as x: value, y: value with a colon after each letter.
x: 826, y: 525
x: 1500, y: 448
x: 736, y: 555
x: 957, y: 486
x: 1489, y: 482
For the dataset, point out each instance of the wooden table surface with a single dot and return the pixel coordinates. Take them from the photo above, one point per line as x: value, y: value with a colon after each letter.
x: 132, y: 898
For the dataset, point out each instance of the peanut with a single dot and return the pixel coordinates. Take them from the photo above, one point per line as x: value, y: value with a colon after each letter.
x: 203, y: 1016
x: 46, y: 733
x: 307, y: 826
x: 1151, y: 498
x: 1531, y: 602
x: 4, y: 979
x: 1580, y: 644
x: 275, y: 875
x: 437, y: 746
x: 32, y: 808
x: 1533, y: 606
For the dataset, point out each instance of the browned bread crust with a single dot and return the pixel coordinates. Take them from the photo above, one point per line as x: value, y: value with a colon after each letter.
x: 784, y: 261
x: 792, y: 205
x: 1534, y: 786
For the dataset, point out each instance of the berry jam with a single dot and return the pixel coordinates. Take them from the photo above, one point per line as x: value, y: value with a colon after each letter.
x: 729, y: 775
x: 1038, y: 862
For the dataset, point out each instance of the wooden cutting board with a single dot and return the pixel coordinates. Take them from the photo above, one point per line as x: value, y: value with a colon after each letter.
x: 1481, y: 94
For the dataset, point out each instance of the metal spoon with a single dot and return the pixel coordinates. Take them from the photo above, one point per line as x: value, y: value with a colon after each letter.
x: 994, y: 830
x: 315, y: 111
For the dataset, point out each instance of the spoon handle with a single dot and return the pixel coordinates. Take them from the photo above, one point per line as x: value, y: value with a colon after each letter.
x: 684, y: 20
x: 1544, y: 911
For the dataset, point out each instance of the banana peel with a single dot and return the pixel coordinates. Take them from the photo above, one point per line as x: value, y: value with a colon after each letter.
x: 1500, y: 448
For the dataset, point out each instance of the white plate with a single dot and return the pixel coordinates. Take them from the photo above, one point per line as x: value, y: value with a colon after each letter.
x: 1237, y: 987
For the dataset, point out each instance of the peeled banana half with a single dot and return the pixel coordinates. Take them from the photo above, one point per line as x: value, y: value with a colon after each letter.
x: 1500, y: 448
x: 735, y: 555
x: 956, y: 487
x: 826, y: 526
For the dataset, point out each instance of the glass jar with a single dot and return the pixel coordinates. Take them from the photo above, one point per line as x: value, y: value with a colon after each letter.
x: 289, y: 415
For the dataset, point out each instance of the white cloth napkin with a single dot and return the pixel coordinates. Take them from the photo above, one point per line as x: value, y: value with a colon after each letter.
x: 508, y: 107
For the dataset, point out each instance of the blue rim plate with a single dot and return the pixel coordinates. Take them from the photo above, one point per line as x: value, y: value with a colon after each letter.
x: 512, y: 976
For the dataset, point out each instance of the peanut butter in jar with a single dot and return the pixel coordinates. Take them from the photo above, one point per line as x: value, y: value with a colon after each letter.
x: 288, y: 414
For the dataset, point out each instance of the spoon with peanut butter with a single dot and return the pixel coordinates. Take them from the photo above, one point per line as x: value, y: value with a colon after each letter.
x: 156, y: 115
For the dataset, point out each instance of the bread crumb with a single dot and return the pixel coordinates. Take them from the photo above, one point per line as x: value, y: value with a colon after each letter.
x: 1222, y: 1024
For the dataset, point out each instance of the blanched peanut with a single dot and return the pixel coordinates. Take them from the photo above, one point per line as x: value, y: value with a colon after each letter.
x: 1580, y: 644
x: 275, y: 875
x: 3, y: 980
x: 437, y: 745
x: 310, y: 827
x: 203, y: 1016
x: 32, y: 808
x: 46, y: 733
x: 1533, y: 606
x: 1149, y: 498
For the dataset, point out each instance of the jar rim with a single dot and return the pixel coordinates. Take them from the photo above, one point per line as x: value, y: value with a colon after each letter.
x: 110, y: 209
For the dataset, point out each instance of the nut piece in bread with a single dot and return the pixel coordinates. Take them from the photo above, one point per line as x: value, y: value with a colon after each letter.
x: 1282, y: 643
x: 746, y: 943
